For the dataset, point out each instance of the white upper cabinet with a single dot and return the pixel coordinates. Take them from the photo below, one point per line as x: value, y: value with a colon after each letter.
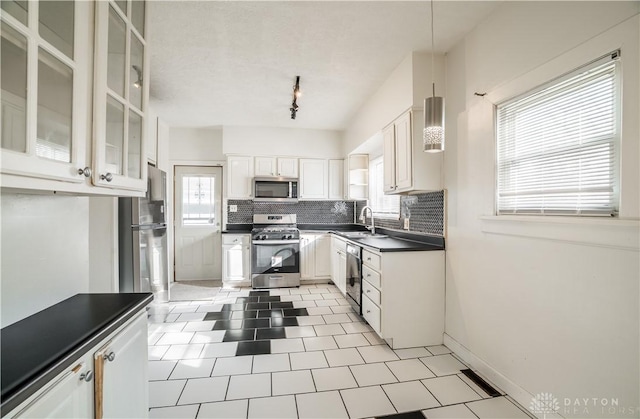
x: 240, y: 177
x: 46, y: 61
x: 287, y: 167
x: 314, y: 179
x: 406, y: 167
x: 265, y: 166
x: 280, y: 166
x: 389, y: 159
x: 120, y: 95
x: 336, y: 179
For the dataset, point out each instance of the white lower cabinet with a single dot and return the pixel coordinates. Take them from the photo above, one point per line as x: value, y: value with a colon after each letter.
x: 70, y: 395
x: 315, y: 252
x: 236, y: 258
x: 108, y: 381
x: 403, y: 296
x: 121, y: 376
x: 339, y: 263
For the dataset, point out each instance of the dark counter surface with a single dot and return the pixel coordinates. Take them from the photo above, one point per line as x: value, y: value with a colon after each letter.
x: 238, y: 229
x: 397, y: 241
x: 34, y: 350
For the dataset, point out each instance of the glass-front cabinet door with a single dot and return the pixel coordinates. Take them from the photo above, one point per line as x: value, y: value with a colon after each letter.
x: 120, y: 95
x: 45, y: 62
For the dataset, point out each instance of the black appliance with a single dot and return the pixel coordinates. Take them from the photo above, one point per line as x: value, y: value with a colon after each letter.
x: 275, y: 251
x: 354, y: 277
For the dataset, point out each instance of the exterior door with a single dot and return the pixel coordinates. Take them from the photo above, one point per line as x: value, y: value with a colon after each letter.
x: 198, y: 200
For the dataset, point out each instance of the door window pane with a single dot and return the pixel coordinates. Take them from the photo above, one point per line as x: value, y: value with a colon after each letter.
x: 55, y: 105
x: 116, y: 55
x: 122, y: 5
x: 137, y: 15
x: 135, y: 145
x: 115, y: 135
x: 16, y: 8
x: 56, y: 24
x: 14, y: 89
x: 198, y: 200
x: 136, y: 72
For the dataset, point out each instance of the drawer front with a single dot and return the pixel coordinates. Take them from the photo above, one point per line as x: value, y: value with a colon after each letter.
x: 371, y: 276
x: 243, y: 239
x: 371, y: 259
x: 371, y: 292
x: 371, y: 313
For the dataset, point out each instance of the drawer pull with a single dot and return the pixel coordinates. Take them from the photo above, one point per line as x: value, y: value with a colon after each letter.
x: 87, y: 376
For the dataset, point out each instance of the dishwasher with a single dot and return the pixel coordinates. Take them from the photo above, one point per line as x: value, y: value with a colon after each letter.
x: 354, y: 277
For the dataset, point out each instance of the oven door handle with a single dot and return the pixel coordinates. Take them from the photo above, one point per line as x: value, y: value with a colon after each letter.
x: 260, y: 242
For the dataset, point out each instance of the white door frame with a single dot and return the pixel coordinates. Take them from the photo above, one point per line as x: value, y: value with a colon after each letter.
x: 171, y: 203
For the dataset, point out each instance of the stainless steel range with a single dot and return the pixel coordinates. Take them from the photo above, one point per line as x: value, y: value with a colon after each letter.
x: 275, y: 256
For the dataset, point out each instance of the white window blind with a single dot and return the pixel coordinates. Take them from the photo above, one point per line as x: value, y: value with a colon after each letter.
x: 558, y: 145
x: 385, y: 206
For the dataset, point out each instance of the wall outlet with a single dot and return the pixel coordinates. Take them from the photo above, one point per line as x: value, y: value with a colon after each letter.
x: 233, y: 208
x: 406, y: 223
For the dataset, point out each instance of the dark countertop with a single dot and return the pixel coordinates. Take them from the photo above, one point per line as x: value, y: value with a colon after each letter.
x: 397, y: 241
x: 34, y: 350
x: 238, y: 229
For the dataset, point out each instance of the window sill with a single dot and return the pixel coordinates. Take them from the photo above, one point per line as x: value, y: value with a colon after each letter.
x: 600, y: 232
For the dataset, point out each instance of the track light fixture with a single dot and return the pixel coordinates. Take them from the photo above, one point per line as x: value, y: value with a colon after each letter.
x: 296, y: 95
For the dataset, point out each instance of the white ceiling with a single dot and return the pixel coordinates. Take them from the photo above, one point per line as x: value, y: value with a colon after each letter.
x: 234, y: 62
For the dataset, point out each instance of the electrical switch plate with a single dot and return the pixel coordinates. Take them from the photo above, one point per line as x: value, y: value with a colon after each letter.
x: 406, y: 224
x: 233, y: 208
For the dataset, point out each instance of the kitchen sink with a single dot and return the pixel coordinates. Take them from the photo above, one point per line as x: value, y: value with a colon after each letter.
x: 360, y: 234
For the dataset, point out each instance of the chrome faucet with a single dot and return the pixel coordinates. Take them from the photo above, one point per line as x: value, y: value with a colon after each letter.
x: 364, y: 220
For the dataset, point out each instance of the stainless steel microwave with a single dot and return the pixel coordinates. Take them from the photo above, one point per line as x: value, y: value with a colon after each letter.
x: 275, y: 189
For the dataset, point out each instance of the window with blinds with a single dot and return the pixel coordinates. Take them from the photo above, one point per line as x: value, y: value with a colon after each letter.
x: 558, y: 145
x: 384, y: 206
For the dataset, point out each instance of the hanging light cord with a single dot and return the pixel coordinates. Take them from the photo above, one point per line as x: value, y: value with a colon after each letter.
x: 433, y: 83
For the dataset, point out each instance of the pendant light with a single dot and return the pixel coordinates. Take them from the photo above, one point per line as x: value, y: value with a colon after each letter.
x: 433, y: 132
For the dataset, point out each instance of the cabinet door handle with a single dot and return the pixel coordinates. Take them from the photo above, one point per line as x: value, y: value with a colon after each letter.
x: 86, y: 172
x: 368, y: 275
x: 87, y: 376
x: 111, y: 356
x: 369, y: 259
x: 368, y: 311
x: 368, y: 291
x: 107, y: 176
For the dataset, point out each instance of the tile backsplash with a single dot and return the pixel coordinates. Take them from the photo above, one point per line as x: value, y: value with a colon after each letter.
x: 425, y: 212
x: 309, y: 212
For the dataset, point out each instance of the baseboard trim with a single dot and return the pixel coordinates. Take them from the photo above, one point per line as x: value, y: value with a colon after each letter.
x: 495, y: 378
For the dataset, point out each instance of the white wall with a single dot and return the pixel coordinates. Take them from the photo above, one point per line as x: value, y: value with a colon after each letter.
x: 263, y: 141
x: 45, y: 256
x: 405, y: 87
x: 549, y: 306
x: 195, y: 144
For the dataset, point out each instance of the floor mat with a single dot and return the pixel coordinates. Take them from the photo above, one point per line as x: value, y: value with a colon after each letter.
x: 194, y: 290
